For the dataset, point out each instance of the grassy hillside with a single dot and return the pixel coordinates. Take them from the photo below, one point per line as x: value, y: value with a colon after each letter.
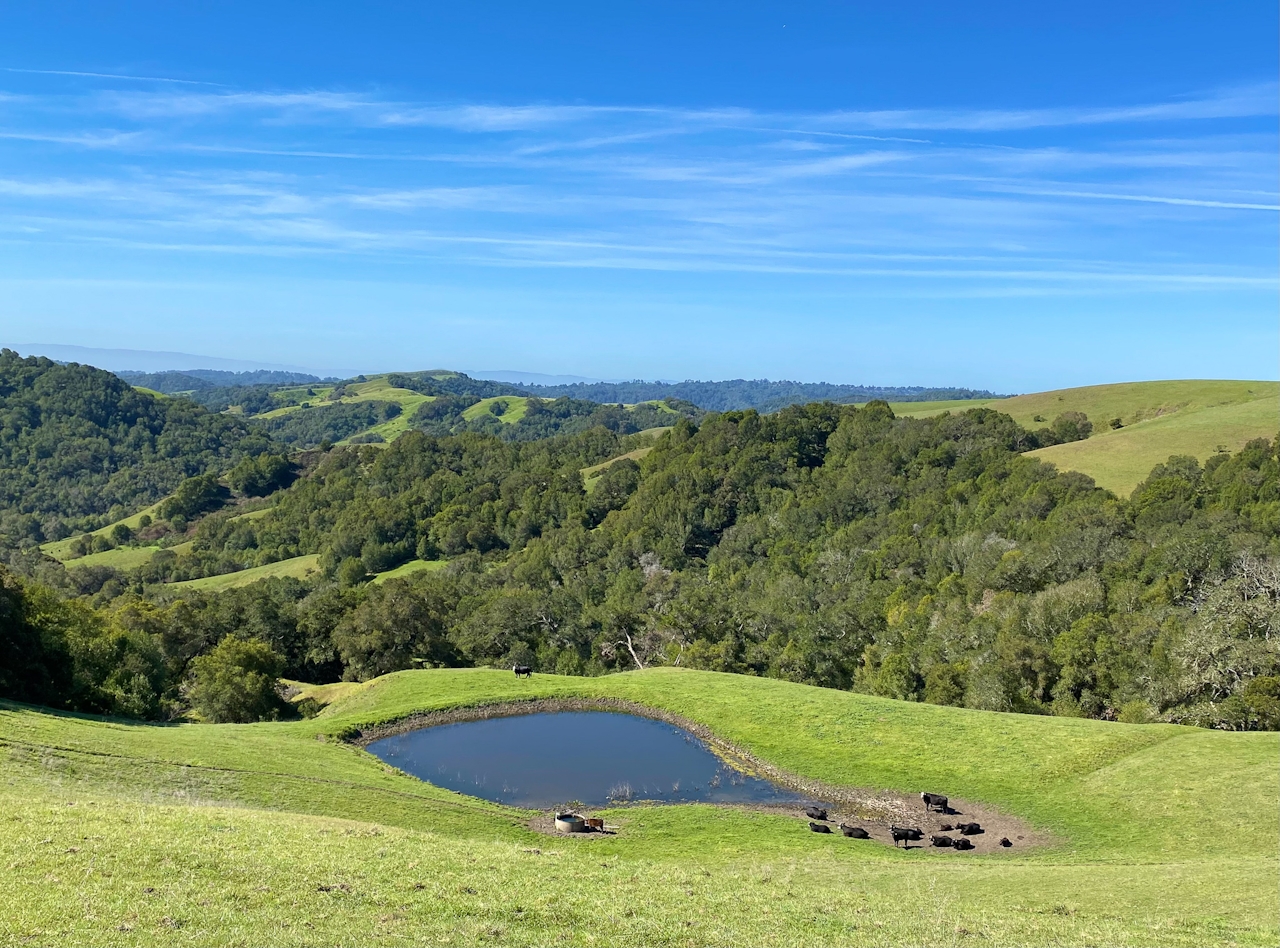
x: 299, y: 567
x: 61, y: 549
x: 1120, y: 460
x: 1133, y: 402
x: 202, y: 834
x: 408, y: 569
x: 927, y: 409
x: 1197, y: 417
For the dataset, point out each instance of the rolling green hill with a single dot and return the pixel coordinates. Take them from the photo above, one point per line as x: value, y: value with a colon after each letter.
x: 83, y: 448
x: 298, y: 567
x: 1121, y: 459
x: 281, y: 834
x: 1195, y: 417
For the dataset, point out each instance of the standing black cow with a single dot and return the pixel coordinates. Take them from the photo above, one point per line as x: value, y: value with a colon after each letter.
x: 820, y: 827
x: 932, y: 800
x: 854, y: 832
x: 815, y: 813
x: 905, y: 834
x: 522, y: 671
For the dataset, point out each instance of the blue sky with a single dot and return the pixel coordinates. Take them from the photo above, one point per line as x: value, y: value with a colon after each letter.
x: 992, y: 196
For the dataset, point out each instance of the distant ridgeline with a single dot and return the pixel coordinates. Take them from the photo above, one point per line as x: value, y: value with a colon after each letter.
x: 760, y: 394
x: 196, y: 380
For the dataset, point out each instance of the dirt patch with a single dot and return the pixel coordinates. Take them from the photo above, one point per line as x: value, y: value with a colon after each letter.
x: 546, y: 823
x: 873, y: 810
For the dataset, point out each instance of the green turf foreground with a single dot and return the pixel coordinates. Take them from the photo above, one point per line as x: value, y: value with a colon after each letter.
x: 270, y: 834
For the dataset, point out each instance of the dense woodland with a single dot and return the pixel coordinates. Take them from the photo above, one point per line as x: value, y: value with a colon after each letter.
x: 80, y: 447
x: 761, y: 394
x: 922, y: 559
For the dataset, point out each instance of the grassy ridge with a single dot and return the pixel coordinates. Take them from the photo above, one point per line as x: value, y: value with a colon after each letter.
x: 61, y: 549
x: 1120, y: 460
x: 260, y: 833
x: 1132, y: 402
x: 1198, y: 417
x: 299, y: 567
x: 408, y: 569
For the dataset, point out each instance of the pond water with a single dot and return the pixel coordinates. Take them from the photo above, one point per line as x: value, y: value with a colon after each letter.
x: 588, y: 757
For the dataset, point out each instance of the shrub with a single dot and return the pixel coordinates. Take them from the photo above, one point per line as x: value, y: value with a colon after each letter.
x: 236, y: 682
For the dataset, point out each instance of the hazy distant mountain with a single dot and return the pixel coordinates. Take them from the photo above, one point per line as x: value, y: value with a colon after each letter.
x: 143, y: 360
x: 195, y: 380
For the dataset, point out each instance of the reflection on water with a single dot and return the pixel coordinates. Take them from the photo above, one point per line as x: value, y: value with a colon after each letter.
x: 587, y: 757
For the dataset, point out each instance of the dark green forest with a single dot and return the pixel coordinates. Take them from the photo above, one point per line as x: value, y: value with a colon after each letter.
x: 840, y: 546
x: 80, y: 448
x: 763, y: 395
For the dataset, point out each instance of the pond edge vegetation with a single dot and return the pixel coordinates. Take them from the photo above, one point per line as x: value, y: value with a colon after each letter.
x: 869, y: 803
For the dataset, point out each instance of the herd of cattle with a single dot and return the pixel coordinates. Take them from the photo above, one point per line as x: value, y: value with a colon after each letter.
x: 909, y: 834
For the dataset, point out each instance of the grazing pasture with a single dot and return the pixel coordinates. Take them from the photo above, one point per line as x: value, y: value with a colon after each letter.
x: 299, y: 567
x: 408, y: 569
x: 282, y: 833
x: 61, y: 549
x: 1121, y: 459
x: 1196, y: 417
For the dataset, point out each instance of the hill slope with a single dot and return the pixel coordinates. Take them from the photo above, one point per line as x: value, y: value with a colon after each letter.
x: 1196, y: 417
x: 81, y: 447
x: 261, y: 833
x: 1193, y: 417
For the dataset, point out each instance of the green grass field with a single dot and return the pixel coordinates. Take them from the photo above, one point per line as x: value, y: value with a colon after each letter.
x: 1198, y: 417
x: 61, y: 549
x: 299, y: 567
x: 514, y: 406
x: 408, y: 569
x: 120, y: 834
x: 1120, y: 460
x: 122, y: 558
x: 927, y: 409
x: 1135, y: 401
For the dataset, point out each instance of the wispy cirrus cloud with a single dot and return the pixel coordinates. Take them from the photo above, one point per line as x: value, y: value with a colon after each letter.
x: 1007, y: 198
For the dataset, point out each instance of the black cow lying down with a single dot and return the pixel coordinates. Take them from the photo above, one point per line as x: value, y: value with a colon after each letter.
x: 815, y: 813
x: 1005, y: 842
x: 820, y: 827
x: 905, y: 834
x: 522, y: 671
x: 969, y: 829
x: 963, y: 843
x: 932, y: 800
x: 854, y: 832
x: 942, y: 841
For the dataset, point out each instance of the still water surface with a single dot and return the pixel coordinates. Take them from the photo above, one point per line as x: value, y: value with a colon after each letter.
x: 589, y: 757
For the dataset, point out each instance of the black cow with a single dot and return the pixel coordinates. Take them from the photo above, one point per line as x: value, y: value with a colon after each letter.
x: 1005, y: 842
x: 815, y: 813
x: 946, y: 827
x: 969, y: 829
x: 905, y: 834
x: 932, y: 800
x: 963, y: 843
x: 522, y: 671
x: 942, y: 841
x: 854, y: 832
x: 820, y: 827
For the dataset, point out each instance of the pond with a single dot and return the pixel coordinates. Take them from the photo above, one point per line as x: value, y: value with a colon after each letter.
x: 589, y: 757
